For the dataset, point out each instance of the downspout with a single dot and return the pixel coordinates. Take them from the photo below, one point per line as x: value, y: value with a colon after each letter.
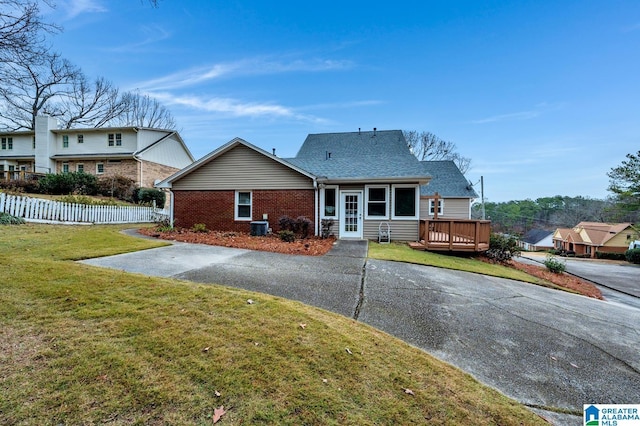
x: 316, y: 206
x: 171, y: 208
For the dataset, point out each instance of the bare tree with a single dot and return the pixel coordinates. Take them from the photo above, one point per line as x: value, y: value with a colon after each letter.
x: 91, y: 103
x: 427, y: 146
x: 144, y: 111
x: 34, y: 85
x: 21, y: 28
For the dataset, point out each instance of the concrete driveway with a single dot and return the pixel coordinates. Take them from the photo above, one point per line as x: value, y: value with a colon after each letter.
x: 547, y: 349
x: 618, y: 281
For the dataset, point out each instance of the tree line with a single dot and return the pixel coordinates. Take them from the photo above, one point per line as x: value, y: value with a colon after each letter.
x: 36, y: 80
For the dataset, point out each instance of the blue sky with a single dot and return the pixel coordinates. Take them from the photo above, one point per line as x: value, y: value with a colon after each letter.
x: 543, y: 96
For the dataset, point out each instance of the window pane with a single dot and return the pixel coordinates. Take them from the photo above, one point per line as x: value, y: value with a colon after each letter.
x: 330, y: 202
x: 244, y: 211
x: 405, y: 202
x: 377, y: 194
x: 244, y: 198
x: 377, y: 209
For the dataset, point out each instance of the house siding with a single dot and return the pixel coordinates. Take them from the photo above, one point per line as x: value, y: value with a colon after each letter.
x: 242, y: 168
x: 401, y: 230
x: 454, y: 208
x: 216, y: 208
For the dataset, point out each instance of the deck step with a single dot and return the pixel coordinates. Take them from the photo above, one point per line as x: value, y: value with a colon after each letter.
x: 417, y: 246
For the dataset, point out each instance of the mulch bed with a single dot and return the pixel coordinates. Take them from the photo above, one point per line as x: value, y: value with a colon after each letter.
x: 312, y: 246
x: 563, y: 280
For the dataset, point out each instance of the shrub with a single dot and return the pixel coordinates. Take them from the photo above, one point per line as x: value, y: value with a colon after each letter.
x: 610, y: 256
x: 554, y: 265
x: 68, y: 183
x: 300, y: 226
x: 199, y: 227
x: 119, y: 187
x: 326, y: 225
x: 303, y: 226
x: 287, y: 236
x: 20, y: 186
x: 7, y: 219
x: 502, y: 248
x: 633, y: 255
x: 149, y: 195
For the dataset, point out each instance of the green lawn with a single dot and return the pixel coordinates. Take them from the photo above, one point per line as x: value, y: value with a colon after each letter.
x: 85, y: 345
x: 403, y: 253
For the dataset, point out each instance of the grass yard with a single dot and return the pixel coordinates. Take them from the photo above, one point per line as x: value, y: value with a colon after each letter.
x: 403, y: 253
x: 85, y: 345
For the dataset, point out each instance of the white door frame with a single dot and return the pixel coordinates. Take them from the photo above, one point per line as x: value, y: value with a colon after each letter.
x: 351, y: 223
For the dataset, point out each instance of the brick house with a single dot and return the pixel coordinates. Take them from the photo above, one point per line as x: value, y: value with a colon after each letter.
x: 355, y: 180
x: 145, y: 155
x: 588, y: 238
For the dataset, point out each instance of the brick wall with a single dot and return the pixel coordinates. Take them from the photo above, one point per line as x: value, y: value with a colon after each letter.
x: 216, y: 208
x: 127, y: 168
x: 154, y: 171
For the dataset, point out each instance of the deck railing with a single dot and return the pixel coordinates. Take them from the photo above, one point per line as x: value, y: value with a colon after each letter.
x: 455, y: 234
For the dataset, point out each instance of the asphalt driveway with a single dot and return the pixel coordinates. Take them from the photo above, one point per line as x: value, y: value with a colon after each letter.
x: 547, y: 349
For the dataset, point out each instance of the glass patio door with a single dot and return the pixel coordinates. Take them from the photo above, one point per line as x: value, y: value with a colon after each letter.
x: 351, y: 214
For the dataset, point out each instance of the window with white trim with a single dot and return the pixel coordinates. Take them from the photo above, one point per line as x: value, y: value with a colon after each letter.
x: 80, y: 168
x: 377, y: 201
x: 65, y: 167
x: 114, y: 139
x: 432, y: 206
x: 65, y: 141
x: 328, y: 201
x: 406, y: 199
x: 7, y: 143
x: 243, y: 205
x: 99, y: 168
x: 80, y: 138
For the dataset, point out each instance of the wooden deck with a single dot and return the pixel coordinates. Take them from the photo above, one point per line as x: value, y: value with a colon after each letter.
x: 453, y: 235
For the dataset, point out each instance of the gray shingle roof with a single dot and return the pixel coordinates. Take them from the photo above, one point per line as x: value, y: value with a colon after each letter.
x: 359, y: 156
x: 535, y: 236
x: 446, y: 180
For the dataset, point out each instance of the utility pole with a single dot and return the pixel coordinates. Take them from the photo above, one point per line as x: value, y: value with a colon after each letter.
x: 482, y: 196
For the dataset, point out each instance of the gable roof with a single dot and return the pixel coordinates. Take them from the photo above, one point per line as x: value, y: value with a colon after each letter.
x: 536, y: 235
x: 446, y: 180
x: 166, y: 183
x: 360, y: 157
x: 591, y: 233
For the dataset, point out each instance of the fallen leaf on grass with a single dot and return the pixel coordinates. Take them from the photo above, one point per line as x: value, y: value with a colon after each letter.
x: 302, y: 326
x: 216, y: 393
x: 218, y: 413
x: 348, y: 351
x: 408, y: 391
x: 206, y: 349
x: 250, y: 301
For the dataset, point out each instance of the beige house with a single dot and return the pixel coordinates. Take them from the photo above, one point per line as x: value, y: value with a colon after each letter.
x: 588, y: 238
x: 145, y: 155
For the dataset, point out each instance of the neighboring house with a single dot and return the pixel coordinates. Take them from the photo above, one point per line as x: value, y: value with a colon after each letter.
x: 588, y: 238
x: 355, y: 180
x: 455, y: 193
x: 536, y: 240
x: 143, y: 154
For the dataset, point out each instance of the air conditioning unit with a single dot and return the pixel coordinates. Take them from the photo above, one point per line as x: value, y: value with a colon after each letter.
x: 259, y: 228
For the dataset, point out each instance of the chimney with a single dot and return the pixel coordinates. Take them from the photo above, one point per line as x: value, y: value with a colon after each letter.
x: 374, y: 131
x: 274, y: 151
x: 358, y: 131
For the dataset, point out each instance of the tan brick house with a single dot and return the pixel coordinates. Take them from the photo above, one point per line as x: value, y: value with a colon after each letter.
x: 588, y: 238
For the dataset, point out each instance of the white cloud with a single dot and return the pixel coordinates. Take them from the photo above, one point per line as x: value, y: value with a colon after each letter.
x: 152, y: 34
x: 523, y: 115
x: 74, y: 8
x: 233, y: 107
x: 251, y: 66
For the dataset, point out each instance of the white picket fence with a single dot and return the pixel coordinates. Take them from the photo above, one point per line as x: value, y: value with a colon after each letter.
x: 48, y: 211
